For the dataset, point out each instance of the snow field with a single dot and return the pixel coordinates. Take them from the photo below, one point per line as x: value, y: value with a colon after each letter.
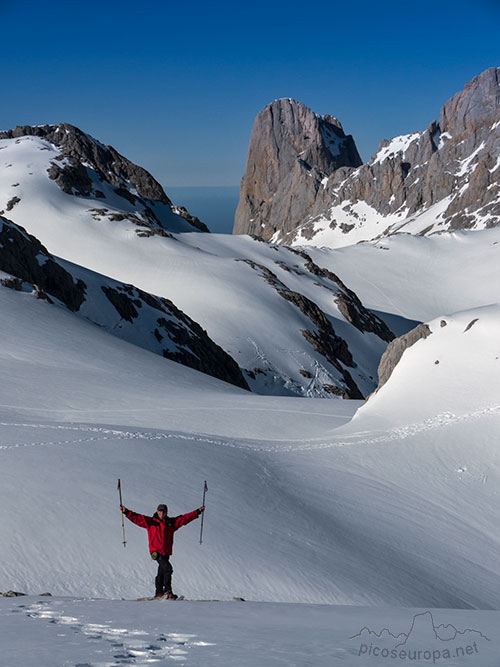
x: 418, y: 277
x: 54, y: 632
x: 379, y: 510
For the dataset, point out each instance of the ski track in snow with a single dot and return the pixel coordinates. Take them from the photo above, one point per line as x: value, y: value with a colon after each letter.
x: 124, y: 646
x: 400, y: 433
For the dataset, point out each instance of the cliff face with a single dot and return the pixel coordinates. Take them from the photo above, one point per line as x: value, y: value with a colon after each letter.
x: 443, y: 178
x: 292, y: 150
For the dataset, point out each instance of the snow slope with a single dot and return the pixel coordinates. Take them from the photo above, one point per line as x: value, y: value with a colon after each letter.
x: 420, y: 277
x: 52, y: 632
x: 82, y: 408
x: 395, y: 507
x: 453, y: 372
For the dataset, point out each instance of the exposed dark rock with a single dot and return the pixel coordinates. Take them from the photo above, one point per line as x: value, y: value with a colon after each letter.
x: 395, y: 350
x: 98, y: 212
x: 192, y: 219
x: 24, y: 257
x: 323, y: 337
x: 148, y: 232
x: 332, y: 389
x: 11, y: 203
x: 471, y: 324
x: 146, y: 227
x: 12, y: 283
x: 71, y: 178
x: 348, y: 302
x: 288, y: 268
x: 355, y: 313
x: 122, y: 192
x: 40, y: 294
x: 125, y: 306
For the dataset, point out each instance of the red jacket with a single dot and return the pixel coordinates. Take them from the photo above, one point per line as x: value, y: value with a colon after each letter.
x: 161, y: 533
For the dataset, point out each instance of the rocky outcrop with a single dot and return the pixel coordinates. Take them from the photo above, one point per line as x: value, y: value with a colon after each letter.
x: 348, y: 302
x: 80, y: 152
x: 191, y: 344
x: 396, y: 349
x: 26, y: 259
x: 292, y: 150
x: 151, y: 322
x: 453, y: 166
x: 321, y: 335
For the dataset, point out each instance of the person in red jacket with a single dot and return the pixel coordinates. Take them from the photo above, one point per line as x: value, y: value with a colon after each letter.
x: 161, y: 529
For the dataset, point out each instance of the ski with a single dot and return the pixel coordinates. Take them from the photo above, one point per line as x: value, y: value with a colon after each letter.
x: 160, y: 597
x: 181, y: 597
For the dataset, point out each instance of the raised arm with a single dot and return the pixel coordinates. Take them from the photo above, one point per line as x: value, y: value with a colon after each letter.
x: 183, y: 519
x: 139, y: 519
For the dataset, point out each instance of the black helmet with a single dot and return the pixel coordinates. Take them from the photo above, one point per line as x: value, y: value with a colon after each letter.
x: 163, y: 507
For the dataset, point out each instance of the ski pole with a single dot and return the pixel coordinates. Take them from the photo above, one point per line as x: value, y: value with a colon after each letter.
x: 121, y: 503
x: 205, y: 489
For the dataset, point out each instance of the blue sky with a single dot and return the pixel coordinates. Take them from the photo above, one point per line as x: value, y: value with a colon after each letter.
x: 176, y: 87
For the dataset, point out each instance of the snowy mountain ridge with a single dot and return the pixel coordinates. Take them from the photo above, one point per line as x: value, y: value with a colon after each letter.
x: 83, y: 166
x: 302, y: 331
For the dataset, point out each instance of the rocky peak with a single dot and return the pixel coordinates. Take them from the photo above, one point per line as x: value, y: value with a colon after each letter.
x: 443, y: 178
x: 476, y: 105
x: 80, y: 148
x: 318, y: 141
x: 292, y: 149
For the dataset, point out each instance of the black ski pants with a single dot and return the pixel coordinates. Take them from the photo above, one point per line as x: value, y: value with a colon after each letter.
x: 163, y: 579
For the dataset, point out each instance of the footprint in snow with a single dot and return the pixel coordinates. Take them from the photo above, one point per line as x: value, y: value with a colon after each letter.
x: 127, y: 647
